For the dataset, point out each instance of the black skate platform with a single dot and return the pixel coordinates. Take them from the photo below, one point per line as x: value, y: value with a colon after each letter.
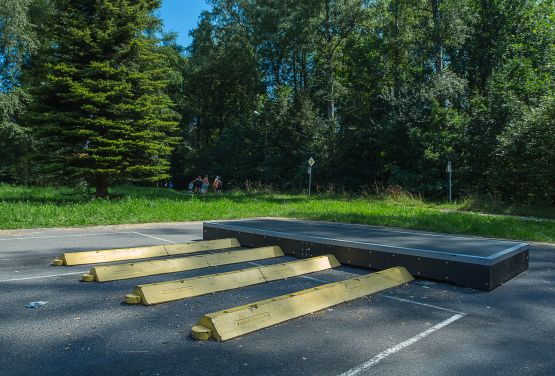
x: 475, y: 262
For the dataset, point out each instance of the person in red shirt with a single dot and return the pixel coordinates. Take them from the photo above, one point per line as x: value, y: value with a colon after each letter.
x: 205, y: 184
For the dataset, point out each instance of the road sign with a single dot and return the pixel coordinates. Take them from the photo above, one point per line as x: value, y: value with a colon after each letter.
x: 310, y: 163
x: 449, y: 167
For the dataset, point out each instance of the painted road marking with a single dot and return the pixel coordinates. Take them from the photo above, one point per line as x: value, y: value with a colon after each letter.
x: 154, y: 237
x: 41, y: 276
x: 392, y: 350
x: 67, y: 235
x: 422, y: 304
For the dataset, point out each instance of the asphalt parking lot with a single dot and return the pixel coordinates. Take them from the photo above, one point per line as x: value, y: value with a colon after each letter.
x: 422, y: 328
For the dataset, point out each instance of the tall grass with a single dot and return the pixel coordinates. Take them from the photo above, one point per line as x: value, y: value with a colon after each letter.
x: 22, y: 207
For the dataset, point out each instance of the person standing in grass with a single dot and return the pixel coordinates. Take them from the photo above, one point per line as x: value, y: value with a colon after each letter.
x: 217, y: 185
x: 205, y: 184
x: 197, y: 184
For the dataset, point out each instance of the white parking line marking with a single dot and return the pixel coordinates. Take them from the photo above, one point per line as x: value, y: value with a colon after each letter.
x: 42, y: 276
x: 66, y: 236
x: 422, y: 304
x: 392, y: 350
x: 72, y: 235
x: 154, y: 237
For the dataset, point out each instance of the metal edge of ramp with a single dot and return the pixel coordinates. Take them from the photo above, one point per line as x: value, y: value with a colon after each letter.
x: 134, y: 253
x: 161, y: 292
x: 105, y: 273
x: 237, y: 321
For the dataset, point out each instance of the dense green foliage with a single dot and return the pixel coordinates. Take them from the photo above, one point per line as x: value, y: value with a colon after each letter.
x: 379, y: 92
x: 23, y: 207
x: 18, y: 40
x: 102, y: 111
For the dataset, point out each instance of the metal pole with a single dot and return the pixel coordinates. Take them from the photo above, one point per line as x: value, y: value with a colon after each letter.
x: 309, y: 180
x: 266, y: 150
x: 449, y: 186
x: 450, y: 171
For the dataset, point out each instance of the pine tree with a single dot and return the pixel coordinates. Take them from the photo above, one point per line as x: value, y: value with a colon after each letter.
x: 102, y: 111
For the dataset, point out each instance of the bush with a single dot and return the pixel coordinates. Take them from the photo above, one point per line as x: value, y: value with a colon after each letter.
x: 526, y: 156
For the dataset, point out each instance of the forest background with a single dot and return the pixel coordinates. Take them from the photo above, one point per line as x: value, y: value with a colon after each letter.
x: 380, y: 93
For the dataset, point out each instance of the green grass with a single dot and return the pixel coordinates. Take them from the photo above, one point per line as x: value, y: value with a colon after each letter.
x: 493, y: 206
x: 22, y: 207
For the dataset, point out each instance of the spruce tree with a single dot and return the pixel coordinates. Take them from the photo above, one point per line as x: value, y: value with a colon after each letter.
x: 102, y: 110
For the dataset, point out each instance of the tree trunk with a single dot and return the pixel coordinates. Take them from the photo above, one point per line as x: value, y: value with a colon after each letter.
x: 295, y: 59
x: 101, y: 186
x: 304, y: 72
x: 396, y: 50
x: 331, y: 97
x: 438, y: 43
x: 331, y: 72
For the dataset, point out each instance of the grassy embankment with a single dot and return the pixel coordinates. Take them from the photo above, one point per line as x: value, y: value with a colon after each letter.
x: 22, y: 207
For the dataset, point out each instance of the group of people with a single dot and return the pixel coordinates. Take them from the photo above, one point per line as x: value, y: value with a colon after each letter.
x: 201, y: 185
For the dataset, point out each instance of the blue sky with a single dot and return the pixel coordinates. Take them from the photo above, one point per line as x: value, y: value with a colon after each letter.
x: 181, y: 16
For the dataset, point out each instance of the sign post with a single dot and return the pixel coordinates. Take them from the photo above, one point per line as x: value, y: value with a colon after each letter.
x: 310, y: 164
x: 450, y: 171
